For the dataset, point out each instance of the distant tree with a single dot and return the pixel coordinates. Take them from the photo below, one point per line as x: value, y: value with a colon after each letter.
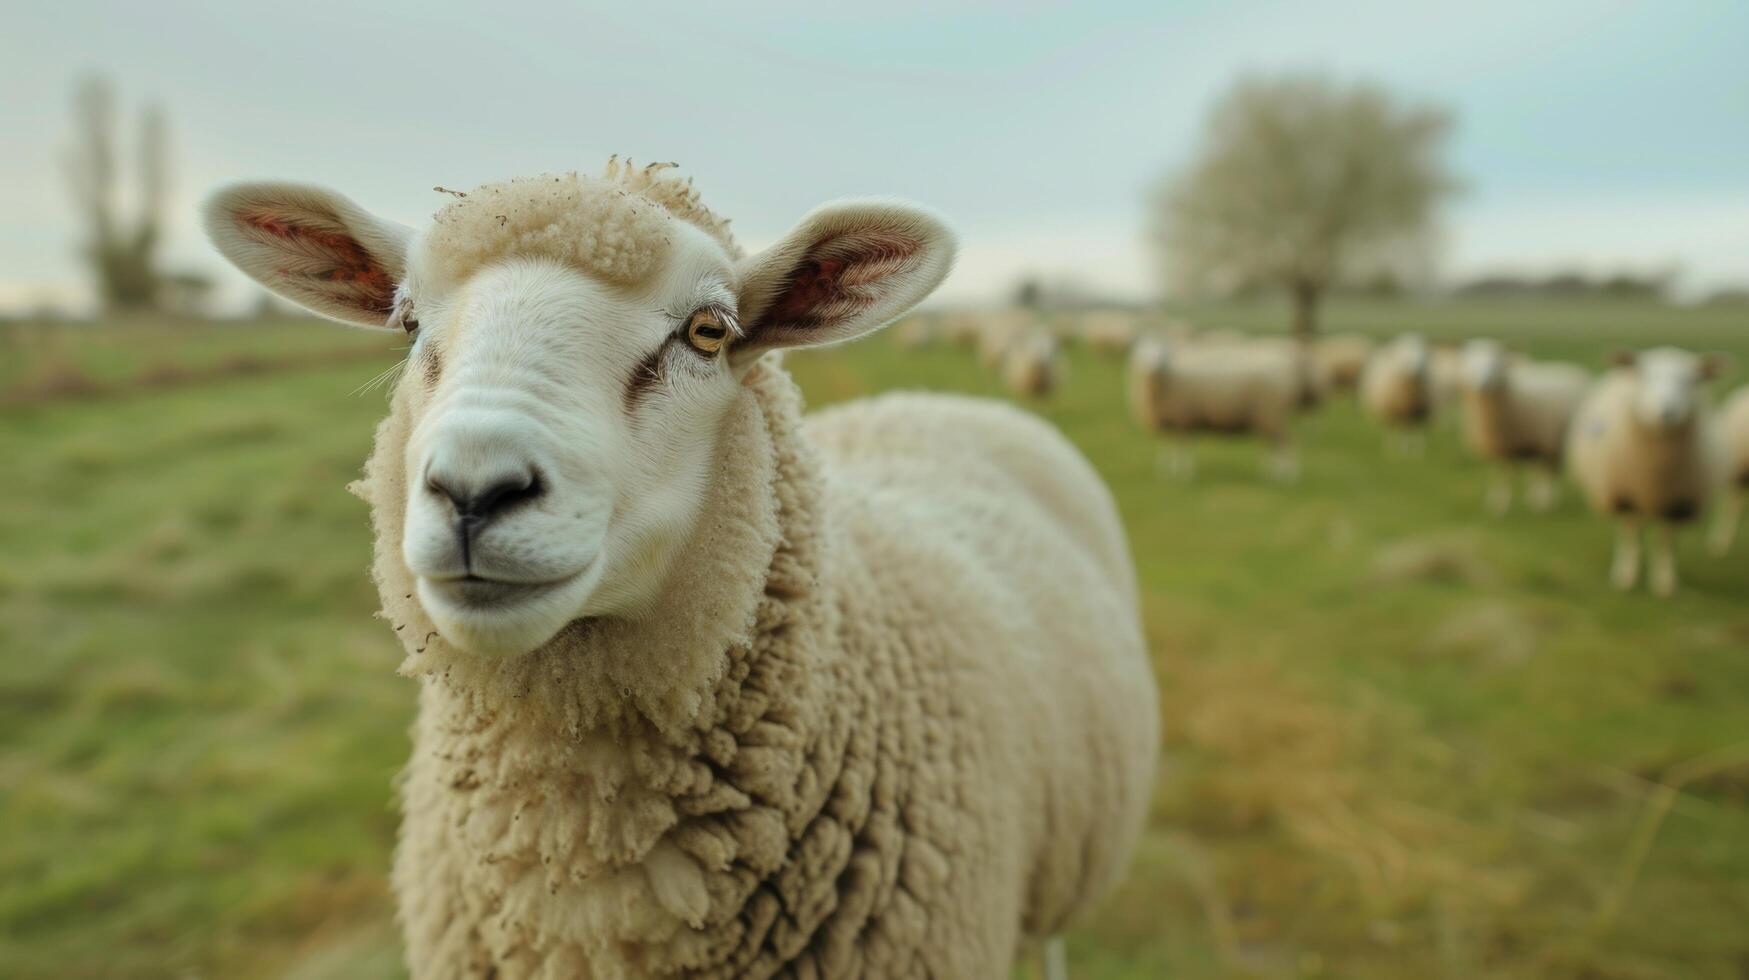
x: 122, y: 254
x: 1303, y: 183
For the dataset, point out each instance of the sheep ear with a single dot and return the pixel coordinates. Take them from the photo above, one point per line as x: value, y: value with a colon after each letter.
x: 1714, y: 365
x: 313, y: 247
x: 1623, y: 358
x: 846, y: 270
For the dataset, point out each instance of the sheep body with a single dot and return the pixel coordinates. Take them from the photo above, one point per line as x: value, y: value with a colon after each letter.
x: 1343, y: 358
x: 844, y: 743
x: 1733, y: 429
x: 1628, y: 469
x: 1395, y: 388
x: 1032, y: 365
x: 1526, y: 417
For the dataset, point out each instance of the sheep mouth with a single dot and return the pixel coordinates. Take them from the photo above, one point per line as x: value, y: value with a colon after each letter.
x: 480, y: 594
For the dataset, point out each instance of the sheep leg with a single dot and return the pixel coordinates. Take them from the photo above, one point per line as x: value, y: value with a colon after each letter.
x: 1725, y: 529
x: 1500, y: 492
x: 1542, y: 490
x: 1625, y: 570
x: 1056, y: 959
x: 1663, y: 565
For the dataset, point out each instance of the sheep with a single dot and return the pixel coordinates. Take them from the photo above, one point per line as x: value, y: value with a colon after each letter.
x: 1733, y: 428
x: 1342, y: 358
x: 1108, y: 331
x: 1311, y: 381
x: 706, y: 688
x: 1643, y: 448
x: 1395, y: 392
x: 1516, y: 413
x: 1236, y: 390
x: 997, y: 331
x: 1032, y: 366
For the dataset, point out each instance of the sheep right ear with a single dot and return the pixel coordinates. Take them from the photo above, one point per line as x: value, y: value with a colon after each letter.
x: 313, y: 247
x: 847, y: 269
x: 1623, y: 358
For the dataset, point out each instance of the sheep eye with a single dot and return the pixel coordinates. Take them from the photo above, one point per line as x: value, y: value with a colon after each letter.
x: 706, y: 331
x: 402, y: 316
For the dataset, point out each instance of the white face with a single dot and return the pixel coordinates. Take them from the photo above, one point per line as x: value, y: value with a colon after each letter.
x: 561, y: 454
x: 1413, y: 353
x: 1667, y: 392
x: 564, y: 427
x: 1484, y: 365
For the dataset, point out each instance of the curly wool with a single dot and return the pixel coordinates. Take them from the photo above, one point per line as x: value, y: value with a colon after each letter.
x: 843, y: 744
x: 616, y: 227
x: 1629, y: 470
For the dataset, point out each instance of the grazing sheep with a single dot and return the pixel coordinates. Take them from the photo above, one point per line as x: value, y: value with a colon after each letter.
x: 962, y: 329
x: 998, y: 331
x: 1032, y: 367
x: 1643, y: 448
x: 1240, y: 390
x: 706, y: 689
x: 1108, y: 331
x: 1395, y: 390
x: 1342, y: 358
x: 1516, y: 414
x: 1733, y: 426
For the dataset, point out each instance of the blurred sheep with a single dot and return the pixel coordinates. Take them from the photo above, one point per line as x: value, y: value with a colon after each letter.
x: 1516, y: 413
x: 1032, y: 365
x: 1733, y: 427
x: 1242, y: 390
x: 1108, y: 331
x: 1396, y: 391
x: 1644, y: 449
x: 1342, y: 358
x: 996, y: 331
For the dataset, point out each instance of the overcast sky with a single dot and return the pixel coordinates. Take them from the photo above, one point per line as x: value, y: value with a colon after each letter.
x: 1606, y: 135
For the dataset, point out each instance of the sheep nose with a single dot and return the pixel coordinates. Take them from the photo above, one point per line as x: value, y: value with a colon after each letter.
x: 479, y: 499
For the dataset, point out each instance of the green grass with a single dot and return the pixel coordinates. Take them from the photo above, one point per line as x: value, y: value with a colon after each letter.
x: 1403, y: 739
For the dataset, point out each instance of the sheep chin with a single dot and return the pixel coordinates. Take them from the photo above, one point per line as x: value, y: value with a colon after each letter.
x: 520, y: 624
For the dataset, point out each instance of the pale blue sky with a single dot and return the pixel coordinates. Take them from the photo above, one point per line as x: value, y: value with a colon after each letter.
x: 1601, y: 134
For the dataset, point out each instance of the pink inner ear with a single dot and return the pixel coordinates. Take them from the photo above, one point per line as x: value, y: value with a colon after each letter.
x: 833, y: 283
x: 342, y: 259
x: 813, y: 286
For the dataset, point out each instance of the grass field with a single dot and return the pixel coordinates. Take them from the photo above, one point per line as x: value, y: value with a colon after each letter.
x: 1403, y: 739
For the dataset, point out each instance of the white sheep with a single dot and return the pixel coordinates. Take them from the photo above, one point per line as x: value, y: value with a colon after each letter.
x: 1733, y: 426
x: 1342, y: 358
x: 1516, y: 415
x: 1032, y: 366
x: 1644, y: 449
x: 1107, y: 331
x: 707, y: 689
x: 998, y: 330
x: 1242, y: 390
x: 1396, y: 391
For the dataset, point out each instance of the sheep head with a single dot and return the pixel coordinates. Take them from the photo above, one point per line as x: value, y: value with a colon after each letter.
x: 1668, y: 384
x: 577, y: 344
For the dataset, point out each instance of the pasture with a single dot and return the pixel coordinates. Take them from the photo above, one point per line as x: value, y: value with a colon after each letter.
x: 1403, y: 738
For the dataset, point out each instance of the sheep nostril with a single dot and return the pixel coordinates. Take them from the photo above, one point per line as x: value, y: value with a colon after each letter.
x: 476, y: 507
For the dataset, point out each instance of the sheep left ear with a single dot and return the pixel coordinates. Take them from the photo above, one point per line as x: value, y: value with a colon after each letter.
x: 846, y: 270
x: 1714, y: 365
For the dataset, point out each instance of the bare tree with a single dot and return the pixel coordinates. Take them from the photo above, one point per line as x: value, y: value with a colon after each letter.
x: 122, y: 255
x: 1303, y: 183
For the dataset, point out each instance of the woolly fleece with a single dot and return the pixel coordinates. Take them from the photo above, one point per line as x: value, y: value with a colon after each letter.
x: 893, y: 714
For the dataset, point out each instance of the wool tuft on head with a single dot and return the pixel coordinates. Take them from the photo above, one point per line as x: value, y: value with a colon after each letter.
x: 617, y: 227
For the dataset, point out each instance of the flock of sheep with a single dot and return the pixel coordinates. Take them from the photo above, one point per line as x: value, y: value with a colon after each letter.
x: 1641, y: 441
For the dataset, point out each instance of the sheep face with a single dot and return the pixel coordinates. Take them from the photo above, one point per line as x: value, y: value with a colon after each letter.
x: 564, y: 404
x: 563, y: 437
x: 1667, y: 386
x: 1484, y: 366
